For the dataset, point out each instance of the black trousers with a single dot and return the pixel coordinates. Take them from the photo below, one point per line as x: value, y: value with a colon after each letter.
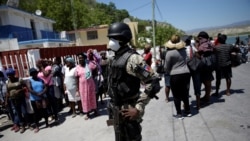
x: 180, y: 84
x: 39, y: 112
x: 130, y: 130
x: 53, y: 104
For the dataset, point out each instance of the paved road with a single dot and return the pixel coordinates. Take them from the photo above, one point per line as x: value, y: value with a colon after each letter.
x: 226, y: 119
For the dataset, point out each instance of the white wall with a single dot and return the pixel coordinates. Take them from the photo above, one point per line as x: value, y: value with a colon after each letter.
x: 8, y: 44
x: 4, y: 18
x: 16, y: 19
x: 33, y: 56
x: 23, y: 20
x: 55, y: 44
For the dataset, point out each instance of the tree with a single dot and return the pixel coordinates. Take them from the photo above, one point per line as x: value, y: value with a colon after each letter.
x: 164, y: 32
x: 3, y: 2
x: 72, y: 14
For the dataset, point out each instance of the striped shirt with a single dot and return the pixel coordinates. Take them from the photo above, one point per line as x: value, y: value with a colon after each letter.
x: 223, y: 52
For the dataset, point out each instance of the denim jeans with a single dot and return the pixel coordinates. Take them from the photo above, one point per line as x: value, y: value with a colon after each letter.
x: 19, y: 110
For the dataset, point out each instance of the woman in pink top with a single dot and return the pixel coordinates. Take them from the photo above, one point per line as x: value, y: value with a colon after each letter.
x: 45, y: 74
x: 44, y: 71
x: 86, y: 85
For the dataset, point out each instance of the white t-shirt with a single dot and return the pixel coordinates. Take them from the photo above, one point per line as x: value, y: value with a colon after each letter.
x: 63, y: 69
x: 188, y: 51
x: 70, y: 78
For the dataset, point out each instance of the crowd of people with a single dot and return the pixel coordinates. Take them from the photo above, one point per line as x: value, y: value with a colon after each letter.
x: 214, y: 56
x: 82, y: 80
x: 77, y: 82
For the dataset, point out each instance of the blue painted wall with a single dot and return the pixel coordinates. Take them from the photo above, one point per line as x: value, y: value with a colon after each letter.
x: 24, y: 34
x: 21, y: 33
x: 49, y: 35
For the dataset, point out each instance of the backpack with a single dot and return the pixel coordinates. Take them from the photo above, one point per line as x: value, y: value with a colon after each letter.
x: 163, y: 54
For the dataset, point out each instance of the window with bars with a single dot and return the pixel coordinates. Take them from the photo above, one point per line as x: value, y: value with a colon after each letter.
x: 92, y: 35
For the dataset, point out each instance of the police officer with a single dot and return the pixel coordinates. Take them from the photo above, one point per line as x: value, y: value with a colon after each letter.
x: 126, y: 71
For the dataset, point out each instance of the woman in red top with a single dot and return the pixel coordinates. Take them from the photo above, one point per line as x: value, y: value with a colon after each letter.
x: 147, y: 55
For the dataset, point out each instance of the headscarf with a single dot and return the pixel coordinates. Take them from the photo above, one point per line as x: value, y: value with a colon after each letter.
x: 70, y: 60
x: 10, y: 71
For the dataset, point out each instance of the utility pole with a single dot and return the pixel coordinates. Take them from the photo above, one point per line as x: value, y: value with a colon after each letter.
x: 74, y: 19
x: 73, y: 14
x: 153, y: 24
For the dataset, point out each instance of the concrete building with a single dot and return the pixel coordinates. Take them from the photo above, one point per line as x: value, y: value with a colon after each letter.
x: 97, y: 35
x: 27, y: 30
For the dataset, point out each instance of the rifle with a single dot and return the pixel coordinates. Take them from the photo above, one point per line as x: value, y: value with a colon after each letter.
x: 115, y: 121
x: 114, y: 112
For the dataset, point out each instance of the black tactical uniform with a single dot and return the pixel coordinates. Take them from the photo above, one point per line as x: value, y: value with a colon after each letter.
x: 126, y: 73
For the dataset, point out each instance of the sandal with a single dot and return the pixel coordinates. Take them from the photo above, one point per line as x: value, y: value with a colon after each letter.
x: 36, y: 130
x: 17, y: 129
x: 13, y: 127
x: 74, y: 115
x: 22, y: 130
x: 166, y: 100
x: 86, y: 117
x: 31, y: 128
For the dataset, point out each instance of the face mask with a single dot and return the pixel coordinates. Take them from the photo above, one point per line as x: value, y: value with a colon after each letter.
x: 114, y: 44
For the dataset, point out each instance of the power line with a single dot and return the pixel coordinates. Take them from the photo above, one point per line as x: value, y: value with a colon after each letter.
x: 149, y: 3
x: 158, y: 9
x: 140, y: 7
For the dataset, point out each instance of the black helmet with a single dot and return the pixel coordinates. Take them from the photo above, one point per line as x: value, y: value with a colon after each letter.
x: 121, y: 30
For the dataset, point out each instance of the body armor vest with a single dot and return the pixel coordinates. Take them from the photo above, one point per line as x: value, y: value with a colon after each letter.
x: 124, y: 87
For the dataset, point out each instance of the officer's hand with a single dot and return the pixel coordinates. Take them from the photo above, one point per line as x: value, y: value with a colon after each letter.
x: 131, y: 113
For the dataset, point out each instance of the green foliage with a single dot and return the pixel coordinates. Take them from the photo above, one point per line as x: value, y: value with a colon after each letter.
x: 3, y: 2
x: 77, y: 14
x: 164, y: 33
x: 73, y: 14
